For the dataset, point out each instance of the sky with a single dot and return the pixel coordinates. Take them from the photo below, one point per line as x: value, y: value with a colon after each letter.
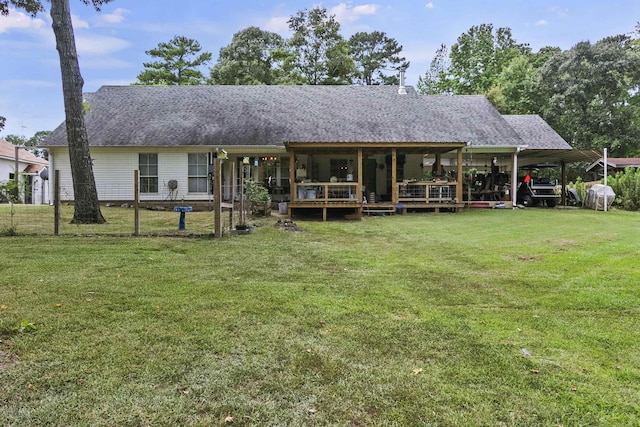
x: 112, y: 43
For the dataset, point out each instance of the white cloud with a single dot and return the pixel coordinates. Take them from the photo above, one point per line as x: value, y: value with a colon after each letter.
x: 541, y: 23
x: 114, y: 18
x: 345, y: 14
x: 91, y: 44
x: 19, y: 21
x: 78, y: 23
x: 278, y: 24
x: 429, y: 5
x: 560, y: 11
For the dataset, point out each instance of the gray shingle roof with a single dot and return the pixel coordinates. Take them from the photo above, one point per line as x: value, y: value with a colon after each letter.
x: 536, y: 133
x: 272, y: 115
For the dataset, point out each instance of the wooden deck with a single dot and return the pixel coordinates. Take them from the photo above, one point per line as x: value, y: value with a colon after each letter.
x: 354, y: 210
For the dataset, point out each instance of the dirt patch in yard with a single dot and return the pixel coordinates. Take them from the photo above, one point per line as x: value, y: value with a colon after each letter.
x: 7, y: 360
x: 287, y: 225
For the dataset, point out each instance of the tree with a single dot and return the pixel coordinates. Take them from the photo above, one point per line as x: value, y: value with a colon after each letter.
x: 2, y: 122
x: 32, y: 143
x: 318, y: 53
x: 87, y: 205
x: 179, y: 59
x: 475, y: 61
x: 517, y: 88
x: 30, y: 6
x: 436, y: 79
x: 374, y: 53
x: 592, y: 92
x: 250, y: 59
x: 479, y: 57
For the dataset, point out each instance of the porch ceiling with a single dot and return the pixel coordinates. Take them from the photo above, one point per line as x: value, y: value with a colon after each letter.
x: 556, y: 156
x: 373, y: 148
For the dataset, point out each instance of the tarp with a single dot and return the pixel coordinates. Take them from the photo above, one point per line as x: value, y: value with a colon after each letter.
x: 596, y: 196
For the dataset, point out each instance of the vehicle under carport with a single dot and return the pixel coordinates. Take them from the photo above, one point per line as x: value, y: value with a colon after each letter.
x: 538, y: 185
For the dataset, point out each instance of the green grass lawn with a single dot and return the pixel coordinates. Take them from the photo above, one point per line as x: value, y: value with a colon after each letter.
x: 483, y: 318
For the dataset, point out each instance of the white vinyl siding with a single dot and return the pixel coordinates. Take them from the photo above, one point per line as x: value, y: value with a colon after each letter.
x: 113, y: 168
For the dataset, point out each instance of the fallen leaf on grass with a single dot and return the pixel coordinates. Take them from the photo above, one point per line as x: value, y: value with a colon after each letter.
x: 312, y: 411
x: 58, y: 305
x: 228, y: 419
x: 574, y: 388
x: 417, y: 371
x: 534, y: 371
x: 3, y: 307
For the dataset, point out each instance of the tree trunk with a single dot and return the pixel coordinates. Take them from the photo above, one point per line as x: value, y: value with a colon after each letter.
x: 87, y: 206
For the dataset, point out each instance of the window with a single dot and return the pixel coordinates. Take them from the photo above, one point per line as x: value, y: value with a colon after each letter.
x: 198, y: 169
x: 148, y: 166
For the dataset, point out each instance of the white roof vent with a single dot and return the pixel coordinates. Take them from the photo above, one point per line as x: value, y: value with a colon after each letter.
x: 402, y: 90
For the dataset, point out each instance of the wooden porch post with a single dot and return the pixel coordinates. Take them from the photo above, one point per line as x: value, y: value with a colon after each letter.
x: 292, y: 175
x: 394, y: 175
x: 514, y: 179
x: 359, y: 189
x: 459, y: 177
x: 563, y: 195
x: 217, y: 197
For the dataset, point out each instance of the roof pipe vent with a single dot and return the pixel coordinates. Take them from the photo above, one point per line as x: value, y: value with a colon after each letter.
x: 402, y: 90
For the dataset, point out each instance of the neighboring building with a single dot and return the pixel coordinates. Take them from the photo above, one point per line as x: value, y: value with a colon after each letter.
x: 377, y: 143
x: 614, y: 165
x: 33, y: 169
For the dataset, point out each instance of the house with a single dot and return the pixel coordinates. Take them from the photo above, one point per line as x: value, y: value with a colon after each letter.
x: 323, y: 148
x: 35, y: 189
x: 614, y: 165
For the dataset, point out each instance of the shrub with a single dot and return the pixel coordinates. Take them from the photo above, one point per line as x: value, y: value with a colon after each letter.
x: 259, y: 198
x: 9, y: 191
x: 580, y: 187
x: 626, y: 185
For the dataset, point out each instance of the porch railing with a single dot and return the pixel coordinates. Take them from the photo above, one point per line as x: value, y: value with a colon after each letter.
x: 326, y: 191
x: 427, y: 192
x: 408, y: 192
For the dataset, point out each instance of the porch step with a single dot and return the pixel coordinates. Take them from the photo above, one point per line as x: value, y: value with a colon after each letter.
x: 378, y: 209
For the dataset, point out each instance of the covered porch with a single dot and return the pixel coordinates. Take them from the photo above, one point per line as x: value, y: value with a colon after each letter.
x: 355, y: 179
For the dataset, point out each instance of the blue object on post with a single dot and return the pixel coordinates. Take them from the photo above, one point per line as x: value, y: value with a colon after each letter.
x: 182, y: 210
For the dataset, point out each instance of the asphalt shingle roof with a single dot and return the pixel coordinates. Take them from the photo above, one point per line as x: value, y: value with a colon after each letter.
x: 8, y: 152
x: 536, y: 133
x: 272, y: 115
